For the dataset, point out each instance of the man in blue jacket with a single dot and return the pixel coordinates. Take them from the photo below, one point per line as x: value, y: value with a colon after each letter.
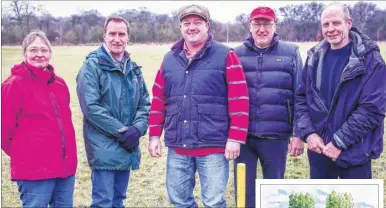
x: 340, y: 103
x: 271, y: 69
x: 115, y: 105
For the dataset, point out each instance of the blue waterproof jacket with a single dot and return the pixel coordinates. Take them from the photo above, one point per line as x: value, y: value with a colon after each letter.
x: 271, y: 77
x: 110, y: 99
x: 355, y: 119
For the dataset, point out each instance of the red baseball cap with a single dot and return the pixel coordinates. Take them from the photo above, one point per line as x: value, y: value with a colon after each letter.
x: 262, y: 12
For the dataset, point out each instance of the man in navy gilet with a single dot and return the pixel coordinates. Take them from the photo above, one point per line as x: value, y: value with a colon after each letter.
x: 340, y: 103
x: 200, y: 99
x: 271, y: 68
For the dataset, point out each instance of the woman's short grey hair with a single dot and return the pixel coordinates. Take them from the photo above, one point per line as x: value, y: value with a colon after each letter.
x: 32, y: 36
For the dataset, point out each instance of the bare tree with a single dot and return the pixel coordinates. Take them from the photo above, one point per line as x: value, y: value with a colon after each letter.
x: 22, y: 12
x: 361, y: 12
x: 16, y: 7
x: 300, y: 22
x: 29, y: 11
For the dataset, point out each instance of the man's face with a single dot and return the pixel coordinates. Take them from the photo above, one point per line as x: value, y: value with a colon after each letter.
x: 194, y: 29
x: 335, y: 27
x: 116, y: 37
x: 262, y: 31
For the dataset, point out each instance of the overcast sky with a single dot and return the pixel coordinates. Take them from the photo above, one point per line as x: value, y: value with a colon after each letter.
x: 222, y: 11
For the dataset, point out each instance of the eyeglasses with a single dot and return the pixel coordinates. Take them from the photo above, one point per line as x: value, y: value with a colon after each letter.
x: 35, y: 51
x: 265, y: 25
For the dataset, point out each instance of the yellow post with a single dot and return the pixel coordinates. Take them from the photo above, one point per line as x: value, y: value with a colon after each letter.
x: 240, y: 185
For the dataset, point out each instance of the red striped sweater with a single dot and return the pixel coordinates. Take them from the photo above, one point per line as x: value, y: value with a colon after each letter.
x: 238, y: 107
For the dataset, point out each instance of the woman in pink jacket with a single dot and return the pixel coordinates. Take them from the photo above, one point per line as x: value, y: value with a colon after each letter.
x: 36, y: 128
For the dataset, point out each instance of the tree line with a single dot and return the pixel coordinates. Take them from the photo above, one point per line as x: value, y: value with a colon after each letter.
x: 300, y: 22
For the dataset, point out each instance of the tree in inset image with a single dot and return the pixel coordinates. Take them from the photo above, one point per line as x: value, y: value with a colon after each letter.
x: 301, y: 201
x: 339, y: 200
x: 349, y: 202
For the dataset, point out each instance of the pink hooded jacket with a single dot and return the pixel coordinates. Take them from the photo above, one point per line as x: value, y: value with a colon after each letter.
x: 36, y: 127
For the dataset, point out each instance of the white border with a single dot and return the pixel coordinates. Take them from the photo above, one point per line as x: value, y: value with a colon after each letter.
x: 378, y: 182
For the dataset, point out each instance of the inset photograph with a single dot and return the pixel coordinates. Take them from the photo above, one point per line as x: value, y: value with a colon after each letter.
x: 295, y: 193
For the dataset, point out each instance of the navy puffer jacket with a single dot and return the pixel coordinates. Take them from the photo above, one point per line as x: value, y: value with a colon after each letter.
x: 271, y: 77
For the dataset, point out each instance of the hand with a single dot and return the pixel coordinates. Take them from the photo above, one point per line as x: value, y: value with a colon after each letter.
x: 129, y: 139
x: 154, y: 147
x: 295, y: 147
x: 331, y: 151
x: 232, y: 150
x: 315, y: 143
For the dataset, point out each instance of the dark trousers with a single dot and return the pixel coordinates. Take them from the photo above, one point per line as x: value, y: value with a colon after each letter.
x: 322, y: 167
x: 272, y: 154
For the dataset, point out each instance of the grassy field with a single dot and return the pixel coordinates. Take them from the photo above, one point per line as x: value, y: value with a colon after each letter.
x: 147, y: 186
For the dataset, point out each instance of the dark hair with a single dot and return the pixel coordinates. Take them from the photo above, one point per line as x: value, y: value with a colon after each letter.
x: 116, y: 19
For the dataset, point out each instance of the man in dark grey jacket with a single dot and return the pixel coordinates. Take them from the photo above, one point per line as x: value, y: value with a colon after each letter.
x: 271, y: 68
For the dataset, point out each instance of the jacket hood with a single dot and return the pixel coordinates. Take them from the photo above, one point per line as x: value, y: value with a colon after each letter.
x: 101, y: 54
x: 104, y: 58
x: 108, y: 63
x: 362, y: 44
x: 26, y: 70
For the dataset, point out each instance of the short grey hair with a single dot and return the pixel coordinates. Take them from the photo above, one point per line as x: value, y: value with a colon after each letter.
x: 32, y: 36
x: 344, y: 8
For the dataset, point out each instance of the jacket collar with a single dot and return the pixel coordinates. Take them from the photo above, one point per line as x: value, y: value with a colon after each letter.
x: 106, y: 61
x: 362, y: 45
x: 25, y: 69
x: 179, y: 47
x: 250, y: 42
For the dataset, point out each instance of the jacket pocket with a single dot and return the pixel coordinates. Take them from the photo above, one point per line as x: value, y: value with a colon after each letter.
x: 353, y: 156
x: 213, y: 122
x: 364, y: 149
x: 171, y: 123
x: 289, y: 112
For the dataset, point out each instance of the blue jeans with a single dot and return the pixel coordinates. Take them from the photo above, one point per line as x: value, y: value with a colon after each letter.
x: 272, y: 154
x: 109, y: 187
x: 56, y: 192
x: 213, y: 171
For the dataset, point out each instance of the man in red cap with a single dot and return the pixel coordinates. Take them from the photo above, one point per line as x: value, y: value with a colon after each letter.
x: 200, y: 98
x: 271, y: 68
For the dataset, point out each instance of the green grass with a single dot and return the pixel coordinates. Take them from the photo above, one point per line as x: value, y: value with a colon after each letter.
x: 147, y: 186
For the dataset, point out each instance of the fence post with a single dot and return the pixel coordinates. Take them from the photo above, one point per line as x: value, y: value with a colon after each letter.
x: 240, y: 185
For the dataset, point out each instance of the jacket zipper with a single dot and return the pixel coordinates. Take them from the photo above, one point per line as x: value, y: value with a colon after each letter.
x: 289, y: 112
x: 324, y: 128
x: 60, y: 124
x: 259, y: 69
x: 189, y: 103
